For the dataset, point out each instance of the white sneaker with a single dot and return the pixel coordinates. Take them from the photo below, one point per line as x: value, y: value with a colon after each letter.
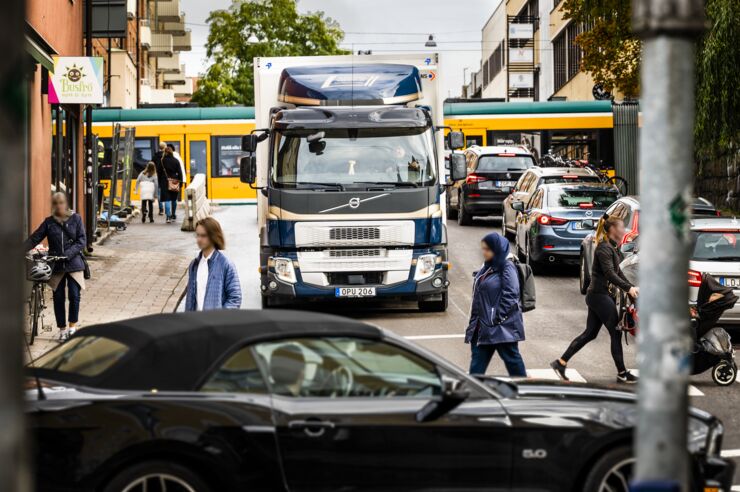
x: 63, y: 335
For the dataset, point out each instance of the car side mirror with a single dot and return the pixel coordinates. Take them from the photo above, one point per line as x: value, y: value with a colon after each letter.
x: 458, y: 167
x: 588, y: 224
x: 518, y: 206
x: 455, y: 140
x: 441, y: 405
x: 629, y: 248
x: 248, y: 169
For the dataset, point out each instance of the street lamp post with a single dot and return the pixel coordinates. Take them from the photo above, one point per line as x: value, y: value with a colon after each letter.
x: 668, y: 29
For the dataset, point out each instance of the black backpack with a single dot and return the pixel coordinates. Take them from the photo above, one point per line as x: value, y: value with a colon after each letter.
x: 527, y: 294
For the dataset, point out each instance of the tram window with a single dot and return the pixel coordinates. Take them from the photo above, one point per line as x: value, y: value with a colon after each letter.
x: 143, y: 153
x: 471, y: 140
x: 198, y: 158
x: 226, y: 154
x: 105, y: 167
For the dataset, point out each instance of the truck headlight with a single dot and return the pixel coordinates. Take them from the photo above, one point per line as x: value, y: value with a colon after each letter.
x: 425, y: 265
x: 283, y: 268
x: 698, y: 436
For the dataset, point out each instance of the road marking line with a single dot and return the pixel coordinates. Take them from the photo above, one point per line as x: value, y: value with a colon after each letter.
x: 735, y: 487
x: 731, y: 453
x: 572, y: 374
x: 693, y: 390
x: 434, y: 337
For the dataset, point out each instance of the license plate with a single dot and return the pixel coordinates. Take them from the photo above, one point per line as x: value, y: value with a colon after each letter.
x: 505, y: 184
x: 733, y: 282
x: 354, y: 292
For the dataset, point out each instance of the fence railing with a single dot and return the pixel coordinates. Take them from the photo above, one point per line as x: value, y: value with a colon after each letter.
x: 197, y: 206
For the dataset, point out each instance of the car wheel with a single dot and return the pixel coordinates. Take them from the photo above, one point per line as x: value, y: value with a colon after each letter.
x: 612, y: 472
x: 724, y: 373
x: 157, y: 475
x: 265, y: 302
x: 451, y: 212
x: 439, y: 306
x: 584, y: 279
x: 463, y: 217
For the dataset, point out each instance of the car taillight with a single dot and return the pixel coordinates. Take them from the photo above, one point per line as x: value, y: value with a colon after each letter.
x: 475, y: 178
x: 694, y: 278
x: 570, y: 176
x: 586, y: 205
x: 632, y: 234
x: 718, y: 213
x: 547, y: 220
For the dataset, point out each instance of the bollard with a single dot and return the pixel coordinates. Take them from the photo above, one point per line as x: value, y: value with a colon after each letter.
x: 196, y: 203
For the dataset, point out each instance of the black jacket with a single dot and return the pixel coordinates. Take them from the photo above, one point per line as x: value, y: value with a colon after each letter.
x: 65, y: 239
x: 605, y: 271
x: 157, y: 159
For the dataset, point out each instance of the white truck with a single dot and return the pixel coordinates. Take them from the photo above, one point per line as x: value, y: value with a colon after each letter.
x: 348, y: 157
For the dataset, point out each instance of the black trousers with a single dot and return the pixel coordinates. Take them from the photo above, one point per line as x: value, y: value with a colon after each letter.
x: 147, y: 205
x: 602, y: 311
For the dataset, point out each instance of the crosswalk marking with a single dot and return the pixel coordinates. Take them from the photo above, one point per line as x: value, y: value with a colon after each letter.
x: 434, y: 337
x: 731, y: 453
x: 693, y: 390
x: 572, y: 374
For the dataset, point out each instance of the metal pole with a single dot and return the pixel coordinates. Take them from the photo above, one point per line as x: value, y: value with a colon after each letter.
x: 668, y: 29
x: 90, y: 212
x: 14, y: 473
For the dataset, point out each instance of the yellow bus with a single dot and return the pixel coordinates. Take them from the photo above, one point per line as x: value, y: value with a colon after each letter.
x: 207, y: 139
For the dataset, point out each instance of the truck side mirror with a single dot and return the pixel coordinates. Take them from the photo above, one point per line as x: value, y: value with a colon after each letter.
x: 248, y: 169
x: 249, y: 143
x: 456, y: 140
x: 458, y: 167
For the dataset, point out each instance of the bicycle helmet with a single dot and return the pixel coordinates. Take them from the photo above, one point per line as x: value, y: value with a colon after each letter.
x: 40, y: 272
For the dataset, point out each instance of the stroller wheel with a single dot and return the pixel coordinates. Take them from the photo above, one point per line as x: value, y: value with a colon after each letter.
x: 724, y: 373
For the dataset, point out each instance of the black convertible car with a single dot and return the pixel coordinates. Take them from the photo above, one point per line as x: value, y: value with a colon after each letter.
x: 295, y: 401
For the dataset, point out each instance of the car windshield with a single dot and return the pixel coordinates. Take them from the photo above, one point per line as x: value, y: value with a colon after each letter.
x: 582, y: 198
x: 354, y: 158
x: 503, y: 163
x: 717, y: 246
x: 84, y: 356
x: 569, y: 179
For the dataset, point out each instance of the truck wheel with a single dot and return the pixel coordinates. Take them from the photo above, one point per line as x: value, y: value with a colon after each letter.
x: 266, y: 304
x: 463, y: 217
x: 612, y: 472
x: 434, y: 306
x: 584, y: 279
x: 155, y: 474
x: 451, y: 212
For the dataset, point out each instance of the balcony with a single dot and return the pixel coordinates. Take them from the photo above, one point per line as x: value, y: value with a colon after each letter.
x: 145, y: 34
x: 131, y: 9
x: 149, y: 95
x: 175, y: 28
x: 122, y: 88
x: 182, y: 43
x: 167, y: 10
x: 176, y: 78
x: 184, y: 90
x: 169, y: 65
x: 161, y: 45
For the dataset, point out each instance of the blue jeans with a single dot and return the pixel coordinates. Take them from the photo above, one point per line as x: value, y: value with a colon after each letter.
x: 66, y: 286
x: 170, y: 207
x: 509, y: 352
x: 160, y: 202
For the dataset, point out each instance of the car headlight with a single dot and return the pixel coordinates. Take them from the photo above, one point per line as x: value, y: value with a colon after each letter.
x: 283, y: 268
x: 425, y: 265
x: 698, y: 436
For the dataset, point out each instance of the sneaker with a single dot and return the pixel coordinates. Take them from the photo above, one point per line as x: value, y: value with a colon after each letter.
x: 559, y: 369
x: 168, y: 220
x: 161, y: 212
x: 151, y: 220
x: 143, y: 220
x: 627, y: 378
x: 64, y: 334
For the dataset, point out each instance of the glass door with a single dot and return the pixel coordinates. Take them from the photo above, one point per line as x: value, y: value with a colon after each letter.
x: 197, y: 157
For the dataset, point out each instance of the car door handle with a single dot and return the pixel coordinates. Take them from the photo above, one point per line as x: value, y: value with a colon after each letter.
x: 312, y: 428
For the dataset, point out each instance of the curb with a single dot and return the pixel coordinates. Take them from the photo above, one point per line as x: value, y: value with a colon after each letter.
x: 104, y: 236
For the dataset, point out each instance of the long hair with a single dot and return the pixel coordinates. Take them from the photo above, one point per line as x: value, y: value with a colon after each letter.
x: 150, y: 170
x: 605, y: 225
x: 214, y: 232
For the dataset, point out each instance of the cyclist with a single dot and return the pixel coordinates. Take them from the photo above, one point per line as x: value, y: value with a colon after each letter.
x: 65, y: 233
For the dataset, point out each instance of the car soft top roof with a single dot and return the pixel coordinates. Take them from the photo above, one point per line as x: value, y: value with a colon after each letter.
x: 173, y: 352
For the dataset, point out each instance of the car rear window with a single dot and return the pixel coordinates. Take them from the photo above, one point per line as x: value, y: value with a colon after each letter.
x: 502, y: 163
x: 84, y: 356
x: 717, y: 246
x: 570, y: 179
x: 582, y: 198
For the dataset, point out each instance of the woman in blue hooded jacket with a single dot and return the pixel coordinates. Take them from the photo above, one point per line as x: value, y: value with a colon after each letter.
x: 496, y: 322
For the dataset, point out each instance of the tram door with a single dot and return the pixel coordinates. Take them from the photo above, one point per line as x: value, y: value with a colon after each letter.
x: 197, y: 155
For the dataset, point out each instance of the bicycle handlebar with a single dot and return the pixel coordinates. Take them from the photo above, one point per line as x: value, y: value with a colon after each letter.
x: 46, y: 258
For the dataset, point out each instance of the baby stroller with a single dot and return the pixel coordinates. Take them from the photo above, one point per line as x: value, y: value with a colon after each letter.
x: 712, y: 346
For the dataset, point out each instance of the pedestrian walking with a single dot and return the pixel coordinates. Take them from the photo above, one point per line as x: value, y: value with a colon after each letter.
x: 496, y: 321
x: 147, y: 186
x: 173, y: 181
x: 602, y: 309
x: 161, y: 180
x: 177, y: 156
x: 65, y: 234
x: 213, y: 282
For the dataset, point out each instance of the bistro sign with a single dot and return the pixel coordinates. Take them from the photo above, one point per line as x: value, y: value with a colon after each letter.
x: 76, y: 80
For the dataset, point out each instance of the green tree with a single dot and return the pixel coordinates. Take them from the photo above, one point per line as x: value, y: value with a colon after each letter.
x: 280, y: 30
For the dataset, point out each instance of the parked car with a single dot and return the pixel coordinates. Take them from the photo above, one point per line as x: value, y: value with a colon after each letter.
x: 551, y: 227
x: 530, y: 181
x: 628, y: 209
x: 492, y: 173
x: 286, y: 400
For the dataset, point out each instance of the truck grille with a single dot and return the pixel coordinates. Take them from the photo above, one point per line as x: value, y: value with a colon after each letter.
x: 354, y: 233
x: 354, y: 278
x: 356, y: 253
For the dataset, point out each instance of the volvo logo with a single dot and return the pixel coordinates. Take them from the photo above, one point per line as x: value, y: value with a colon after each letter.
x: 354, y: 203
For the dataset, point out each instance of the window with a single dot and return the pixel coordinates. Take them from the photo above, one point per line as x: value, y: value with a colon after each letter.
x: 716, y: 246
x: 567, y: 54
x: 84, y: 356
x: 198, y: 157
x: 496, y: 61
x: 485, y: 73
x: 336, y: 367
x: 575, y: 198
x: 227, y: 151
x: 143, y: 153
x: 498, y: 163
x: 239, y: 374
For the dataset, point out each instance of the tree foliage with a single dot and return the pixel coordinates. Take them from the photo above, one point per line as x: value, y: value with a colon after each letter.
x: 611, y: 53
x: 281, y: 31
x: 717, y: 86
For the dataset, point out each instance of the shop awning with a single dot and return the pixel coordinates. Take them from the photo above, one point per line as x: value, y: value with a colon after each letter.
x: 38, y: 53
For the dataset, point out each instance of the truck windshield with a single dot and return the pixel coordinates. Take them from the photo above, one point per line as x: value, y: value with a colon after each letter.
x: 354, y: 158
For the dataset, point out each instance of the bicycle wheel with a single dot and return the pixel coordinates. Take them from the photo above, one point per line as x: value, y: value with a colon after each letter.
x: 35, y: 312
x: 620, y: 183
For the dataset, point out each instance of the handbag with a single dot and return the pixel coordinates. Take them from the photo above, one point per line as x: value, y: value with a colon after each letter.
x: 172, y: 184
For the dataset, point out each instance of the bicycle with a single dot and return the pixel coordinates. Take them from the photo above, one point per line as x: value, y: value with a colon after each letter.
x: 39, y: 273
x: 617, y: 181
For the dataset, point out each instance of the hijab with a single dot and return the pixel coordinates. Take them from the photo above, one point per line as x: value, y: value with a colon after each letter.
x: 500, y: 247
